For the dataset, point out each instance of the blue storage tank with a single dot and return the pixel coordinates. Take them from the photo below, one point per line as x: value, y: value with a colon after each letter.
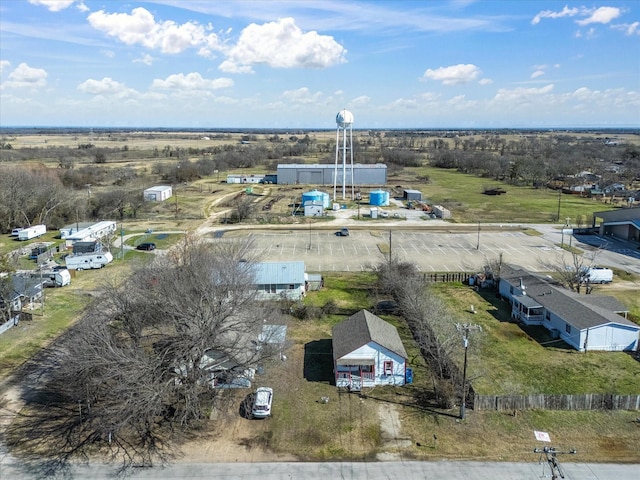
x: 316, y: 195
x: 379, y: 198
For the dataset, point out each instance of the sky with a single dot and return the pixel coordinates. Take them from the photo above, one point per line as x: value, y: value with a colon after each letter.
x: 297, y: 64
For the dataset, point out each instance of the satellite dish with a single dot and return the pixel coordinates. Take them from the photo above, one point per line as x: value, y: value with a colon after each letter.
x: 344, y: 118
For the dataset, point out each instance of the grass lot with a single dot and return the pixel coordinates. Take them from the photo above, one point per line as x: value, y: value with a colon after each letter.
x: 347, y: 427
x: 524, y: 360
x: 462, y: 194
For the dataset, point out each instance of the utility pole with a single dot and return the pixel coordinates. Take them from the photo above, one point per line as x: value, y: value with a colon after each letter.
x: 478, y: 244
x: 466, y: 329
x: 559, y: 198
x: 390, y: 246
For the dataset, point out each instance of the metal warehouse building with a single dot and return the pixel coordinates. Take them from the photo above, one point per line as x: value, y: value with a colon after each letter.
x: 323, y: 174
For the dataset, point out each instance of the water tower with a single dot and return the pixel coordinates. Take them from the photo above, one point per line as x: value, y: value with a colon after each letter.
x: 344, y: 120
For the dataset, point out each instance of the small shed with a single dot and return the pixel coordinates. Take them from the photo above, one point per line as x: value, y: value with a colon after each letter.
x: 367, y: 351
x: 441, y: 212
x: 412, y: 194
x: 159, y: 193
x: 313, y: 208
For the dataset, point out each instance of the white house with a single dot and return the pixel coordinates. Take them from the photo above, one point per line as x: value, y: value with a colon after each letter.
x: 93, y: 232
x: 367, y: 351
x: 278, y: 279
x: 159, y: 193
x: 586, y: 322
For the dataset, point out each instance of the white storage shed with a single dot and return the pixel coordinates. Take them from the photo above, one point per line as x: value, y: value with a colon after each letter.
x: 159, y: 193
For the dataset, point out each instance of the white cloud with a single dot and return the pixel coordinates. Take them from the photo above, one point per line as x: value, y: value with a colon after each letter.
x: 146, y: 59
x: 565, y: 12
x: 453, y: 75
x: 4, y: 64
x: 26, y: 77
x: 141, y: 28
x: 628, y: 28
x: 230, y: 67
x: 108, y: 53
x: 485, y: 81
x: 191, y: 81
x: 282, y: 44
x: 106, y: 86
x: 301, y: 95
x: 537, y: 73
x: 360, y: 101
x: 592, y: 15
x: 519, y: 95
x: 600, y: 15
x: 53, y: 5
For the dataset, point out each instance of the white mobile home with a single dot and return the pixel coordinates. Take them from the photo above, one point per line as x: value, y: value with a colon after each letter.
x: 159, y: 193
x: 91, y: 233
x: 32, y: 232
x: 367, y: 351
x: 585, y: 322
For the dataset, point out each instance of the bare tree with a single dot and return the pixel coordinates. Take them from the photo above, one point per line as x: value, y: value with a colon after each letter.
x: 571, y: 273
x: 144, y: 362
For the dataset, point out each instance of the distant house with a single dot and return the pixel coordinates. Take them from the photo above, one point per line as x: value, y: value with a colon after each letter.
x: 280, y: 279
x: 17, y: 293
x: 367, y: 351
x: 159, y: 193
x: 586, y: 322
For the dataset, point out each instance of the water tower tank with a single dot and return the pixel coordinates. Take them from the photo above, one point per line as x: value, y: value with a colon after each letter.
x: 344, y: 118
x: 379, y: 198
x: 317, y: 196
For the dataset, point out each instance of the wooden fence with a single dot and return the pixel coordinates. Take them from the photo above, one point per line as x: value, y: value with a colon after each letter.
x: 586, y: 401
x: 447, y: 277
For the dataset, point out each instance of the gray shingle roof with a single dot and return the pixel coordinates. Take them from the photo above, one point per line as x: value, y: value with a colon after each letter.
x: 574, y: 309
x: 364, y: 327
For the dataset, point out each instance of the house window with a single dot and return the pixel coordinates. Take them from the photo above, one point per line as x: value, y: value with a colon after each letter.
x: 547, y: 315
x: 568, y: 328
x: 388, y: 367
x: 511, y: 289
x: 292, y: 286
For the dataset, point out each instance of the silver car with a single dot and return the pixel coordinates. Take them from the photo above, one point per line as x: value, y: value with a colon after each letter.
x: 262, y: 404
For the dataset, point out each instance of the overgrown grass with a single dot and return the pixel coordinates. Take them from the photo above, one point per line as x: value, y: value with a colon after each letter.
x: 462, y: 194
x: 522, y: 360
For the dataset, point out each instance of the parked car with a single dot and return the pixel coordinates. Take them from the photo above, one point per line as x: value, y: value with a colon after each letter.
x: 148, y: 246
x: 262, y: 403
x: 344, y: 232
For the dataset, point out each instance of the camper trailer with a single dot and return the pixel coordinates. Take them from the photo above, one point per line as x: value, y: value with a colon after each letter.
x: 88, y: 261
x: 32, y: 232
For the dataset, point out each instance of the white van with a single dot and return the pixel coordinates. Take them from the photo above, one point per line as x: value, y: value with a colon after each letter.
x: 597, y: 275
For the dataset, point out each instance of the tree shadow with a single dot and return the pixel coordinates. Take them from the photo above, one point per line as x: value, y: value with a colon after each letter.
x: 246, y: 405
x: 318, y: 361
x: 53, y: 433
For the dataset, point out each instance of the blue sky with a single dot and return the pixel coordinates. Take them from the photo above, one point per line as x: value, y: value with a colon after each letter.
x: 296, y: 64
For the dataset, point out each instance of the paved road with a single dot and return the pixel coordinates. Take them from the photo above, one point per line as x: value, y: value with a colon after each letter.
x: 437, y: 470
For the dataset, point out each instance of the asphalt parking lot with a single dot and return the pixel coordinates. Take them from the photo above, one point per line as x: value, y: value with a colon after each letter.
x: 430, y: 251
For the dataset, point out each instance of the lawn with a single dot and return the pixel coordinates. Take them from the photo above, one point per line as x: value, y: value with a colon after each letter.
x: 347, y: 427
x: 510, y: 359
